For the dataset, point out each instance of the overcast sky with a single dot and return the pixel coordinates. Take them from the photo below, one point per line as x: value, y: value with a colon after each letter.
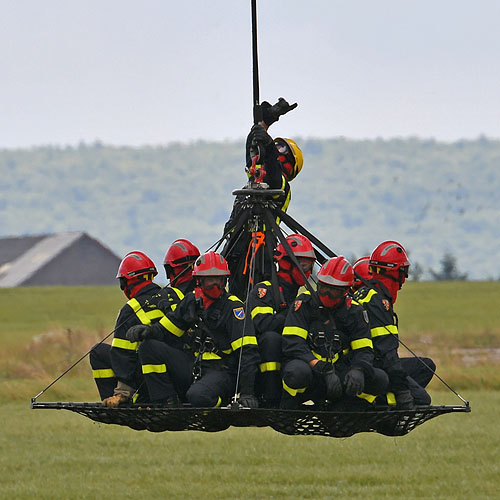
x: 132, y: 73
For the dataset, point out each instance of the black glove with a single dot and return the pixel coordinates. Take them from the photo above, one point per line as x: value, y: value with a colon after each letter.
x: 404, y: 400
x: 354, y: 381
x: 137, y: 333
x: 271, y: 114
x: 248, y: 401
x: 258, y: 136
x: 189, y: 309
x: 332, y: 381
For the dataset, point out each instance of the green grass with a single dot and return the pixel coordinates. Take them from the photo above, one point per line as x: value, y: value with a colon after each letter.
x: 49, y: 454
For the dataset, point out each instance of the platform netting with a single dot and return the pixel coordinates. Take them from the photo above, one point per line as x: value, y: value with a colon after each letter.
x: 299, y: 422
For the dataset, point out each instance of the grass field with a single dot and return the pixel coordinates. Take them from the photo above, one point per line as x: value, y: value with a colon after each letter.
x: 48, y: 454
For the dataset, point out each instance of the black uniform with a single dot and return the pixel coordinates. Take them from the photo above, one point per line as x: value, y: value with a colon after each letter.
x: 377, y: 301
x: 268, y: 306
x: 119, y: 362
x: 217, y: 337
x: 340, y: 337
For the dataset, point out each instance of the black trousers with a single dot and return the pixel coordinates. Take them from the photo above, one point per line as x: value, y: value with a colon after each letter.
x: 167, y: 371
x: 104, y: 376
x: 420, y: 372
x: 269, y: 376
x: 214, y: 388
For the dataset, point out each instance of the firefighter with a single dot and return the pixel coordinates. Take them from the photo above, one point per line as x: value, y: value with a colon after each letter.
x: 225, y: 342
x: 168, y: 388
x: 268, y: 304
x: 115, y: 367
x: 389, y: 266
x: 327, y: 349
x: 270, y: 163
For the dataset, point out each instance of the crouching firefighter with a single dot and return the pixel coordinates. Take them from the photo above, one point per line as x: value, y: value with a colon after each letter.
x: 268, y: 303
x: 327, y: 349
x: 408, y: 377
x: 116, y: 367
x: 223, y: 341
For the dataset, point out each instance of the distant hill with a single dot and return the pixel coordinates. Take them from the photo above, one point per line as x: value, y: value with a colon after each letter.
x: 433, y: 197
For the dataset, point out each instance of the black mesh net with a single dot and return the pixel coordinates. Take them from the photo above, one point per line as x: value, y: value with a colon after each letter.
x: 301, y: 422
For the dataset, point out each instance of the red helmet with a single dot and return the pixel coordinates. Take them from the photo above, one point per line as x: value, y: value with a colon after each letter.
x: 336, y: 271
x: 136, y: 264
x: 300, y: 245
x: 334, y: 280
x: 389, y: 256
x: 180, y: 253
x: 361, y: 267
x: 179, y: 260
x: 211, y: 264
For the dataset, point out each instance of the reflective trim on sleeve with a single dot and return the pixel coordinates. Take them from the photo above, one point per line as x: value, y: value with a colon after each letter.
x: 270, y: 366
x: 139, y: 311
x: 125, y: 344
x: 246, y: 340
x: 391, y: 398
x: 293, y: 392
x: 367, y: 397
x: 261, y: 310
x: 295, y: 330
x: 171, y: 327
x: 208, y: 356
x: 360, y: 343
x: 178, y: 292
x: 104, y: 373
x: 384, y: 330
x: 154, y: 369
x: 368, y: 296
x: 267, y: 283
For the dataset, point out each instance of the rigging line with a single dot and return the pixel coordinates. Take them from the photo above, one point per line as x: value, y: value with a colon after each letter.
x: 251, y: 274
x: 33, y: 400
x: 366, y: 283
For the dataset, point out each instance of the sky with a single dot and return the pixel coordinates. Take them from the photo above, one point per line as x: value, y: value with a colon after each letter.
x: 154, y: 72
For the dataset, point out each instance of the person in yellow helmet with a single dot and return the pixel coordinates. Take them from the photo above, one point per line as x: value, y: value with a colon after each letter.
x: 271, y: 164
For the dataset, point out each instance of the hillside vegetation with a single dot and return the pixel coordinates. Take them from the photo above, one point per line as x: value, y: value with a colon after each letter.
x: 433, y: 197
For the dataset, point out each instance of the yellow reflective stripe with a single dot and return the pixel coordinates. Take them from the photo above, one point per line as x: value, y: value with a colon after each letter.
x: 139, y: 311
x: 219, y: 401
x: 207, y: 356
x: 246, y: 340
x: 391, y: 398
x: 261, y: 310
x: 134, y: 304
x: 227, y: 351
x: 104, y: 373
x: 125, y: 344
x: 171, y: 327
x: 268, y: 283
x: 155, y: 314
x: 295, y: 330
x: 234, y: 299
x: 384, y: 330
x: 178, y: 292
x: 134, y: 397
x: 367, y: 397
x: 355, y: 303
x: 293, y: 392
x: 368, y: 296
x: 154, y: 369
x: 270, y: 366
x: 318, y: 356
x: 360, y: 343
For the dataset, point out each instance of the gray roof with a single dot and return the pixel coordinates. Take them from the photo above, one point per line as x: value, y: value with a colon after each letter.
x: 30, y: 260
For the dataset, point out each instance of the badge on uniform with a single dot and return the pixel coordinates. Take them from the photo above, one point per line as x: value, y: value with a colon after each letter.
x: 365, y: 316
x: 261, y: 292
x: 386, y: 304
x: 239, y: 312
x: 297, y: 305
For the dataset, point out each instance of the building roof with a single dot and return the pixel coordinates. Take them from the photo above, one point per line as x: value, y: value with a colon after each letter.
x: 31, y: 260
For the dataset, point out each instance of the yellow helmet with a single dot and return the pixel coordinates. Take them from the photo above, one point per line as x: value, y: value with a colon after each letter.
x: 291, y: 164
